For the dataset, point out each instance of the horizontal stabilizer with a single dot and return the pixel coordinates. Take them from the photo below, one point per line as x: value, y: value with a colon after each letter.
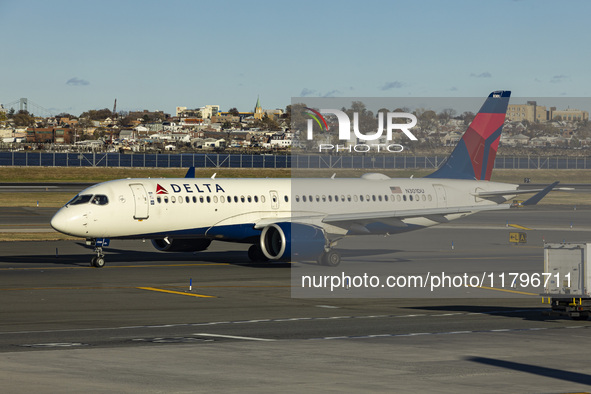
x: 537, y: 197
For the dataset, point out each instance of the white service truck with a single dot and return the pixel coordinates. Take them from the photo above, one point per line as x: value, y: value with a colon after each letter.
x: 567, y: 289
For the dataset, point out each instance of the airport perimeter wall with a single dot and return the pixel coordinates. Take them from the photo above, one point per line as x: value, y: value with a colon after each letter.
x: 213, y: 160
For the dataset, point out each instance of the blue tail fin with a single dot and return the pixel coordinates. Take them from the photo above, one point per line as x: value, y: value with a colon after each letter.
x: 474, y: 156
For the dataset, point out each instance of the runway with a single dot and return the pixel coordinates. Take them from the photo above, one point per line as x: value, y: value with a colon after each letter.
x: 136, y: 326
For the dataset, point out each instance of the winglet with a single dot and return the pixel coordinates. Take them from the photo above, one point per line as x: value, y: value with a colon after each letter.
x: 190, y: 173
x: 538, y: 196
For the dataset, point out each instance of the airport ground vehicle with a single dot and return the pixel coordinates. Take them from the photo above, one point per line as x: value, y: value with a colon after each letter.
x: 568, y: 290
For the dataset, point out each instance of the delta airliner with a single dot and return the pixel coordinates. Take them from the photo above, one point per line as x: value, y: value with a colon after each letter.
x: 295, y: 219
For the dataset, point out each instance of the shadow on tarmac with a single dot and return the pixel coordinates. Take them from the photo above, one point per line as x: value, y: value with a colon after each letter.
x: 554, y: 373
x: 525, y: 313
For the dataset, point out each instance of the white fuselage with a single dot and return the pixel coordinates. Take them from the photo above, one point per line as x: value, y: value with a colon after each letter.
x: 231, y: 209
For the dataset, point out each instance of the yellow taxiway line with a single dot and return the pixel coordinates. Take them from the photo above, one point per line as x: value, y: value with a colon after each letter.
x: 508, y: 291
x: 519, y: 227
x: 175, y: 292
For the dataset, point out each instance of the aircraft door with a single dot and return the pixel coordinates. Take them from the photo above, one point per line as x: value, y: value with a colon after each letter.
x: 274, y: 199
x: 441, y: 196
x: 140, y: 198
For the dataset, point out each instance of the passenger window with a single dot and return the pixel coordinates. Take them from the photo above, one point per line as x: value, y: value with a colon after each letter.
x: 349, y: 197
x: 429, y: 197
x: 373, y: 197
x: 173, y: 199
x: 248, y: 198
x: 159, y: 199
x: 303, y: 198
x: 194, y: 199
x: 222, y: 199
x: 380, y: 197
x: 404, y: 197
x: 262, y: 199
x: 398, y: 198
x: 201, y: 199
x: 242, y: 199
x: 180, y: 200
x: 256, y: 198
x: 235, y: 198
x: 215, y: 199
x: 354, y: 198
x: 187, y: 199
x: 361, y: 197
x: 367, y: 197
x: 286, y: 198
x: 417, y: 197
x: 329, y: 198
x: 208, y: 198
x: 166, y: 200
x: 423, y: 197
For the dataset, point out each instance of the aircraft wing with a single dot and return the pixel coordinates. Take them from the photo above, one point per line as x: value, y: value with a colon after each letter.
x: 392, y: 217
x: 431, y: 213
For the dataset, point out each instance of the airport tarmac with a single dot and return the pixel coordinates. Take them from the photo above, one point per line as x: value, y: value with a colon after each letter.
x: 136, y: 326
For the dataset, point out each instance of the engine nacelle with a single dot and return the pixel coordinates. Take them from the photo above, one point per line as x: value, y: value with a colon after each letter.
x: 181, y: 245
x: 283, y: 241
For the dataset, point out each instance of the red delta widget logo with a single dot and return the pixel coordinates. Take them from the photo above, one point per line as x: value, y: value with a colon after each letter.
x: 345, y: 126
x: 191, y: 188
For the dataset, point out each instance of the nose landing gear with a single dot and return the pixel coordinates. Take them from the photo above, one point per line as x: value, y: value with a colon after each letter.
x: 99, y: 260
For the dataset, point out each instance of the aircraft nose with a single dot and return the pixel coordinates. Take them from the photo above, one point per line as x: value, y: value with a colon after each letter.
x: 62, y: 222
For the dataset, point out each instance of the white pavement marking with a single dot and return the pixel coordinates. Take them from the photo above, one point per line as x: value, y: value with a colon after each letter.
x: 234, y: 337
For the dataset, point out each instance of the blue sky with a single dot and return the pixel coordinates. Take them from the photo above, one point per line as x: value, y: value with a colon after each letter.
x: 71, y: 56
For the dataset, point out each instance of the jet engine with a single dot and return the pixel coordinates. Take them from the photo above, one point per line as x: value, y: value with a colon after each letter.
x: 181, y: 245
x: 284, y: 241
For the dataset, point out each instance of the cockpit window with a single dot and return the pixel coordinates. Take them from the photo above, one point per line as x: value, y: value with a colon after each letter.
x: 80, y: 199
x: 100, y: 199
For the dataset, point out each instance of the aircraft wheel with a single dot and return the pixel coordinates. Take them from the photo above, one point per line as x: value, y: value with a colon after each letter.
x: 98, y: 262
x: 330, y: 258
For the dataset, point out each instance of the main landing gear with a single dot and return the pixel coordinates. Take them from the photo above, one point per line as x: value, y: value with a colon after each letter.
x: 330, y: 258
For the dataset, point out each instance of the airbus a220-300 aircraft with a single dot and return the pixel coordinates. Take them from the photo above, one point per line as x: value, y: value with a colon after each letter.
x: 295, y: 219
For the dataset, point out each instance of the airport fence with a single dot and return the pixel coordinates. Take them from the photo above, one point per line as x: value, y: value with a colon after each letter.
x: 214, y: 160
